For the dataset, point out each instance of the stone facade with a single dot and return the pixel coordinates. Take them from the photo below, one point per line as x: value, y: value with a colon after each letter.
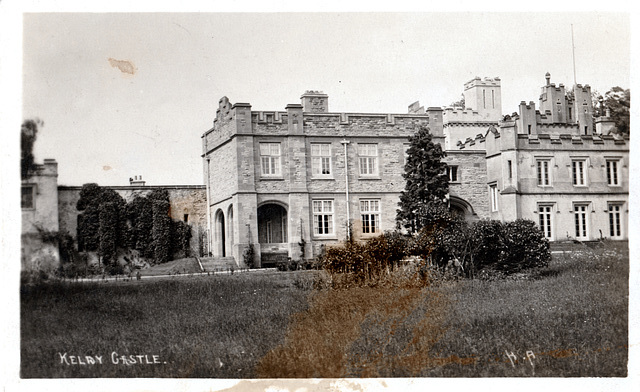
x: 290, y: 182
x: 40, y: 217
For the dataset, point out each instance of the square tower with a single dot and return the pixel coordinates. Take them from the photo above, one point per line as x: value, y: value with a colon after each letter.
x: 483, y: 96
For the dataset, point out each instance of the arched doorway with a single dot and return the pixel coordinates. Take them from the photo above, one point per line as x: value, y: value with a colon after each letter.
x: 272, y: 234
x: 461, y: 208
x: 230, y: 229
x: 220, y: 234
x: 272, y: 224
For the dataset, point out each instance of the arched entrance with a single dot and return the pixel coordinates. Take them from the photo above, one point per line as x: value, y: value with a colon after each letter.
x: 229, y: 237
x: 272, y: 224
x: 272, y: 234
x: 461, y: 208
x: 220, y: 234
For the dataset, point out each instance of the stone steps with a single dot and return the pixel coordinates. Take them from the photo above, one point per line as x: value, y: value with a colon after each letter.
x: 213, y: 264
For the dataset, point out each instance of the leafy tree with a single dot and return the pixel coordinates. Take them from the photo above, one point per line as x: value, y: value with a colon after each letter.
x: 140, y: 215
x: 28, y: 134
x: 161, y: 231
x: 424, y: 199
x: 618, y: 101
x: 459, y: 104
x: 90, y: 233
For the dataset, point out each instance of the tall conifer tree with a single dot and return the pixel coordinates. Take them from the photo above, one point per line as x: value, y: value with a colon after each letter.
x: 424, y: 198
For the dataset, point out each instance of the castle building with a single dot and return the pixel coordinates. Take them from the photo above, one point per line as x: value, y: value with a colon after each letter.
x: 287, y: 183
x: 39, y: 205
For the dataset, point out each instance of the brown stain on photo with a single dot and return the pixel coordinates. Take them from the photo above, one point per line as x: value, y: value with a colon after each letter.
x: 125, y: 66
x: 106, y: 167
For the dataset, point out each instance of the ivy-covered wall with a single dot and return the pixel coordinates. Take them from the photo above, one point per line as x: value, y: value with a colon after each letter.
x: 187, y: 204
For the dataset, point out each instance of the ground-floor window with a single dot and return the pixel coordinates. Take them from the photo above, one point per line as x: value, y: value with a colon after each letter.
x: 493, y: 193
x: 322, y: 217
x: 370, y: 214
x: 27, y: 200
x: 545, y: 218
x: 615, y: 224
x: 580, y: 216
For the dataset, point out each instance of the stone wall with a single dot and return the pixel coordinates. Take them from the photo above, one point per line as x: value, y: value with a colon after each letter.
x: 472, y: 179
x: 186, y: 199
x: 42, y: 215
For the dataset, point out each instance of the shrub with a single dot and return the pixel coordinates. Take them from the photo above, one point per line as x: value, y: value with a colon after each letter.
x: 528, y: 248
x: 248, y: 256
x: 491, y: 247
x: 482, y: 245
x: 181, y: 238
x: 108, y: 233
x: 161, y: 231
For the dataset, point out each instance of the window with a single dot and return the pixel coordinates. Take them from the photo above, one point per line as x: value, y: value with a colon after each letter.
x: 613, y: 175
x: 270, y: 159
x: 322, y: 217
x: 370, y: 212
x: 614, y: 220
x: 493, y: 192
x: 368, y: 159
x: 545, y: 217
x: 510, y: 169
x: 543, y: 172
x: 452, y: 172
x: 580, y: 215
x: 320, y: 159
x: 27, y: 200
x: 185, y: 218
x: 579, y: 174
x: 529, y: 129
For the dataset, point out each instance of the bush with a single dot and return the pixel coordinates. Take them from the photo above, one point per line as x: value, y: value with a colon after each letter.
x: 505, y: 247
x: 528, y: 248
x: 446, y: 248
x: 249, y: 256
x: 161, y: 231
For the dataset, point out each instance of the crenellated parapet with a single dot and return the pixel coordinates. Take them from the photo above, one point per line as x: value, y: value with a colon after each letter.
x: 475, y: 143
x: 573, y: 142
x: 451, y: 115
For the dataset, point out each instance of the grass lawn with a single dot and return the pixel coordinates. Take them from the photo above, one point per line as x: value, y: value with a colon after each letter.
x: 569, y: 320
x: 201, y: 326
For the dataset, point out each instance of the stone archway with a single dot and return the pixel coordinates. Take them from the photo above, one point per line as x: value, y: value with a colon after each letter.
x: 273, y: 234
x: 229, y: 236
x: 462, y: 208
x: 220, y: 234
x: 272, y: 224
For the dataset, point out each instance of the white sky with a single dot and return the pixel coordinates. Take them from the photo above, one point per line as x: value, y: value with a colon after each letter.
x: 105, y: 126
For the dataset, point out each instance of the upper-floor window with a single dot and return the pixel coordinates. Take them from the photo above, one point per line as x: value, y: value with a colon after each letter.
x: 27, y: 200
x: 322, y: 217
x: 578, y: 172
x: 452, y: 172
x: 613, y: 173
x: 493, y: 193
x: 405, y: 152
x: 321, y: 159
x: 368, y: 159
x: 544, y: 179
x: 370, y: 214
x: 270, y: 159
